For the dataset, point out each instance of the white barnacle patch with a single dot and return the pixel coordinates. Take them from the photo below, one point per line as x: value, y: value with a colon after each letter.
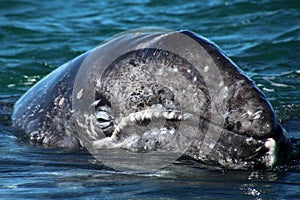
x: 271, y: 154
x: 206, y: 68
x: 156, y: 114
x: 250, y: 140
x: 148, y: 115
x: 175, y: 68
x: 166, y: 115
x: 134, y: 117
x: 61, y: 101
x: 160, y: 71
x: 98, y: 83
x: 79, y: 94
x: 226, y: 89
x: 185, y: 116
x: 249, y: 113
x: 224, y: 92
x: 257, y: 115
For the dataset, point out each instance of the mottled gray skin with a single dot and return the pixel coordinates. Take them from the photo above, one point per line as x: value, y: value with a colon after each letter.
x: 39, y: 115
x: 43, y: 113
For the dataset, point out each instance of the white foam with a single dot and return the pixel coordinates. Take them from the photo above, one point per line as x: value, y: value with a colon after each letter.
x: 268, y: 90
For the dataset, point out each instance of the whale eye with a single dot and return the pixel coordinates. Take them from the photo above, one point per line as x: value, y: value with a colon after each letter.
x: 105, y: 120
x: 102, y: 112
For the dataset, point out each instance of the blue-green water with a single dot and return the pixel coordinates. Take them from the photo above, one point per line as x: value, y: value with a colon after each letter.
x: 262, y: 37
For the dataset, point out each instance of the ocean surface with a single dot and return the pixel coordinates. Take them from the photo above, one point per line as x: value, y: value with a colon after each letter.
x: 262, y: 37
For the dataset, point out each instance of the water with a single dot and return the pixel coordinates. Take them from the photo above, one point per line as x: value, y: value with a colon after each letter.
x: 262, y: 37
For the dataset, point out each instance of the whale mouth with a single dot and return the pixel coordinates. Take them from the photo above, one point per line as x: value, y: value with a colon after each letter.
x: 231, y: 150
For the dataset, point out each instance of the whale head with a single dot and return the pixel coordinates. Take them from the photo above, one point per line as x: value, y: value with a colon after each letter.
x: 153, y: 92
x: 156, y: 91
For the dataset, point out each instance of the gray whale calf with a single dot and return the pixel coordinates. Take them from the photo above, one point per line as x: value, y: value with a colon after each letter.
x: 144, y: 90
